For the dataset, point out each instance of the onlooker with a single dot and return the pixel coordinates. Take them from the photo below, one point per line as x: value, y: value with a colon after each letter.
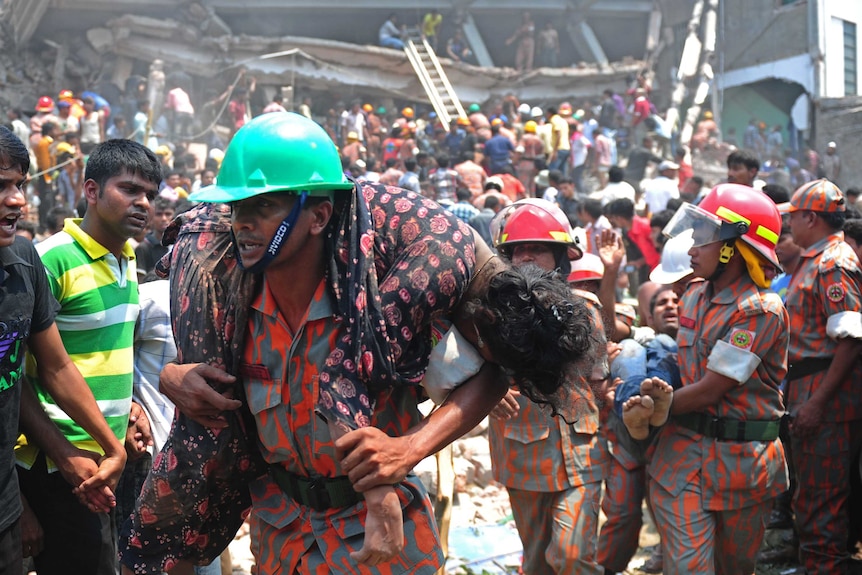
x: 640, y: 250
x: 526, y: 43
x: 549, y: 45
x: 639, y: 158
x: 92, y: 126
x: 831, y: 164
x: 277, y: 104
x: 463, y: 208
x: 742, y: 167
x: 390, y: 35
x: 661, y: 189
x: 458, y: 49
x: 445, y: 180
x: 471, y: 173
x: 617, y: 187
x: 97, y: 319
x: 559, y: 144
x: 481, y: 222
x: 151, y: 250
x: 27, y: 309
x: 410, y: 179
x: 430, y: 25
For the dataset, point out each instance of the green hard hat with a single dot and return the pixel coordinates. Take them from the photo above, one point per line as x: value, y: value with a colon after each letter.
x: 474, y: 108
x: 277, y: 152
x: 381, y: 110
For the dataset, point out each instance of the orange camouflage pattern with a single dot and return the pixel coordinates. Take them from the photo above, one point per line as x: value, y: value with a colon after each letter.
x: 281, y: 374
x: 828, y: 286
x: 698, y: 484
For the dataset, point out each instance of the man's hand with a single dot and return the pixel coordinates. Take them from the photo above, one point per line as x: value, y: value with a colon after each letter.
x: 371, y: 458
x: 138, y: 435
x: 190, y: 387
x: 82, y: 466
x: 808, y: 419
x: 384, y: 527
x: 508, y: 406
x: 611, y: 249
x: 32, y: 536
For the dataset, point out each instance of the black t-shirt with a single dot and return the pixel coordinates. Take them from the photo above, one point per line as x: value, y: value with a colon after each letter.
x: 26, y: 306
x: 148, y: 253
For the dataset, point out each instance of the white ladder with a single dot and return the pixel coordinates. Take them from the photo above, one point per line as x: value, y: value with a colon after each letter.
x: 433, y: 79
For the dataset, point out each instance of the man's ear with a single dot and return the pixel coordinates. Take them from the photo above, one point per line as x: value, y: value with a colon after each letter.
x: 321, y: 213
x: 91, y: 191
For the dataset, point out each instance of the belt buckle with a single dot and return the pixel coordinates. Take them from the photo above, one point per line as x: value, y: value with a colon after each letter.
x: 717, y: 424
x: 318, y: 496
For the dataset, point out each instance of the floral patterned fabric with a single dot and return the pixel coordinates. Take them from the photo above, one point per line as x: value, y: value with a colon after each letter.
x: 196, y: 495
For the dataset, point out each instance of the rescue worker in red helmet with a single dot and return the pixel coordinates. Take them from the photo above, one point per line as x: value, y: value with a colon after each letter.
x: 718, y: 461
x: 552, y: 468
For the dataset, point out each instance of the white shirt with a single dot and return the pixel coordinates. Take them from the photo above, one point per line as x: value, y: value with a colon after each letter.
x: 658, y: 191
x: 616, y: 190
x: 153, y: 348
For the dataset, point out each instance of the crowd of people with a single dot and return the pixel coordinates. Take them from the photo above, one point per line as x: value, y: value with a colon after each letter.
x: 634, y: 331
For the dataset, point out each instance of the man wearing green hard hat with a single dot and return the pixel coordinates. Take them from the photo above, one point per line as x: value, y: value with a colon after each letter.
x: 325, y: 291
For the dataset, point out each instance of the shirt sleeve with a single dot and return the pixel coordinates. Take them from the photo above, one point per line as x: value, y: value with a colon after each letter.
x: 840, y: 297
x: 45, y: 306
x: 749, y: 338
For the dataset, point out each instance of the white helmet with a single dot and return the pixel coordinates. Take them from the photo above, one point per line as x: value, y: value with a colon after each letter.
x: 524, y: 109
x: 536, y: 112
x: 675, y: 261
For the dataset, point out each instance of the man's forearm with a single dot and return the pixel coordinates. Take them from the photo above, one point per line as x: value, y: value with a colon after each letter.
x: 72, y: 394
x: 39, y: 428
x: 465, y: 407
x: 846, y: 356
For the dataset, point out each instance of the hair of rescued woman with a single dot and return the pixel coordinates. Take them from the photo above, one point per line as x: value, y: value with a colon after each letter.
x: 537, y: 332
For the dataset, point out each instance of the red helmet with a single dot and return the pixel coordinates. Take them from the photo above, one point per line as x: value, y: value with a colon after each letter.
x: 45, y: 104
x: 533, y: 220
x: 732, y: 211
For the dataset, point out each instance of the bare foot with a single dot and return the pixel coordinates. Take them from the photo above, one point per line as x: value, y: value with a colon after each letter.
x: 662, y: 394
x: 637, y: 411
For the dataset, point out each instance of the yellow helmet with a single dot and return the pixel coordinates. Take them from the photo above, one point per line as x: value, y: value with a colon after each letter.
x: 530, y: 127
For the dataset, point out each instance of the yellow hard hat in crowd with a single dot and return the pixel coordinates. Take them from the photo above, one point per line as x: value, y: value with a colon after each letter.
x: 530, y: 127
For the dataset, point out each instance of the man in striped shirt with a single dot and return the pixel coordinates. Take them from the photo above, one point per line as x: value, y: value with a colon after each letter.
x: 91, y: 272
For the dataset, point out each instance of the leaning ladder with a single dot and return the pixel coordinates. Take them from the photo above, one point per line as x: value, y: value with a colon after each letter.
x: 433, y: 79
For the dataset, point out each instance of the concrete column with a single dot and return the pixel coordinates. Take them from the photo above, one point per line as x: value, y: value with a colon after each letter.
x: 477, y: 44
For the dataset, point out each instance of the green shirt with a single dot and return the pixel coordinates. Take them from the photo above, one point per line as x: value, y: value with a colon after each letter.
x: 98, y: 297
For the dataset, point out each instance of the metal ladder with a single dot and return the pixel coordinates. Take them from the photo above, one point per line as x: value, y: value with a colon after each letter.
x: 433, y: 79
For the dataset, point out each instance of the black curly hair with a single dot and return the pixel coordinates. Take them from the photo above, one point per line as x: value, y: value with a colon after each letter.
x: 538, y: 332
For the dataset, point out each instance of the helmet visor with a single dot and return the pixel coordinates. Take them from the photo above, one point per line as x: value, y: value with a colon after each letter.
x: 704, y: 227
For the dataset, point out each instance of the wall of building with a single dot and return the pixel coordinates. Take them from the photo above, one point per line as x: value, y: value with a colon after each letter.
x: 837, y: 13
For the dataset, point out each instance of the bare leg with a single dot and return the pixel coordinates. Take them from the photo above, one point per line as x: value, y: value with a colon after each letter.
x: 637, y: 411
x: 662, y: 394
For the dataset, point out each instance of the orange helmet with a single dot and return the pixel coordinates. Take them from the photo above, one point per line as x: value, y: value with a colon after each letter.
x: 66, y: 95
x: 367, y: 107
x: 407, y: 112
x: 728, y: 212
x: 496, y: 122
x: 45, y: 104
x: 533, y: 220
x: 462, y: 121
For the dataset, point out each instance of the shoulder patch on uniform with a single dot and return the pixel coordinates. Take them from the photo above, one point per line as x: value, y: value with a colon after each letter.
x: 686, y: 322
x: 742, y: 338
x: 836, y: 292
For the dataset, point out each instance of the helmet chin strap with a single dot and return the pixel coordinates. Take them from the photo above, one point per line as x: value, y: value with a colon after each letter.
x: 278, y: 240
x: 727, y: 251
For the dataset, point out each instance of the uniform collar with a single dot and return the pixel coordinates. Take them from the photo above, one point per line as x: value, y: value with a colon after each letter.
x: 820, y: 245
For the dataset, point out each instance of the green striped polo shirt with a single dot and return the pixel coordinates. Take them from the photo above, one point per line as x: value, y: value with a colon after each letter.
x: 98, y: 298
